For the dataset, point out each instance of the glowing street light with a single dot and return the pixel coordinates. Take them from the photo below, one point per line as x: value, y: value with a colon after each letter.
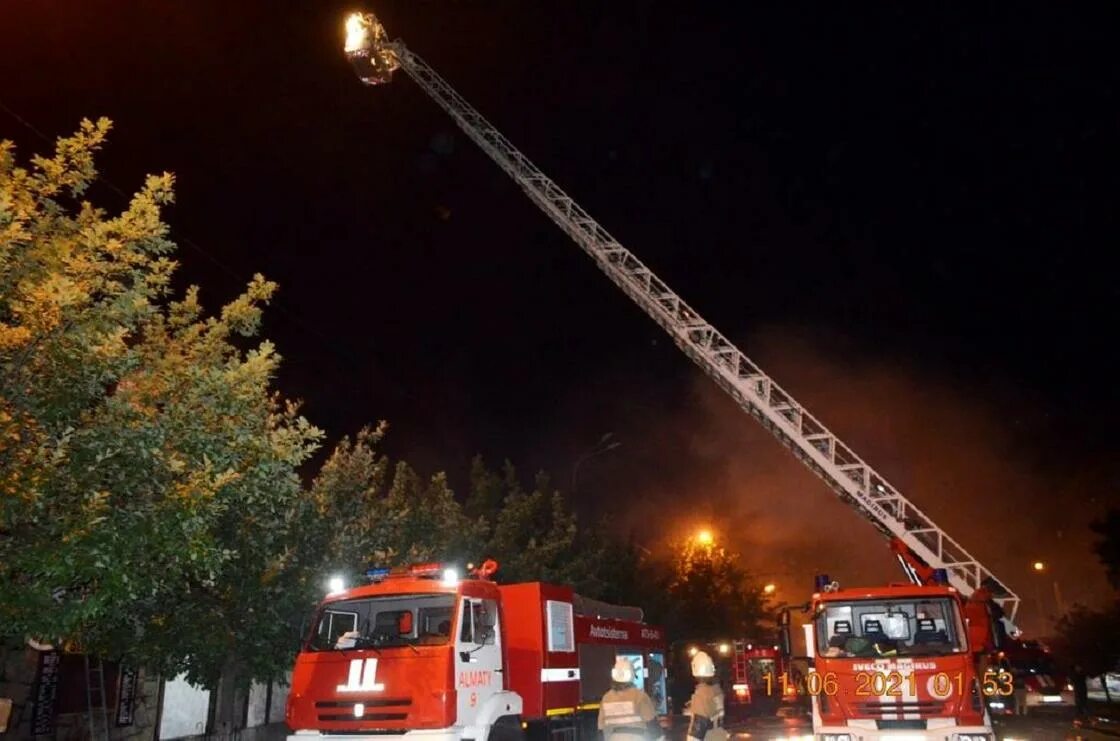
x: 705, y: 537
x: 692, y: 650
x: 724, y: 649
x: 770, y: 589
x: 336, y: 585
x: 1038, y: 566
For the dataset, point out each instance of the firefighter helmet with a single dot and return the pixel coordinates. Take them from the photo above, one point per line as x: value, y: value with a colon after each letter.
x: 703, y: 666
x: 623, y: 671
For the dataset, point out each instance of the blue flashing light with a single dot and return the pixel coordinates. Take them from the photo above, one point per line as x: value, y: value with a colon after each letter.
x: 378, y: 573
x: 941, y: 576
x: 820, y: 581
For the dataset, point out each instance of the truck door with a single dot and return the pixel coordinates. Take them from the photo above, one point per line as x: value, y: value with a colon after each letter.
x: 478, y: 657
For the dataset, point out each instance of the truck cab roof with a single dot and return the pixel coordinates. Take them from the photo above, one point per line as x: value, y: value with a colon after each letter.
x: 894, y: 591
x: 411, y: 584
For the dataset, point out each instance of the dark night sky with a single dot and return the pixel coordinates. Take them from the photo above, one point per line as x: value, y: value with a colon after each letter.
x: 908, y: 215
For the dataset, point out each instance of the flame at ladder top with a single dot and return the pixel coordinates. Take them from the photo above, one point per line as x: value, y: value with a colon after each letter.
x: 357, y: 32
x: 367, y: 45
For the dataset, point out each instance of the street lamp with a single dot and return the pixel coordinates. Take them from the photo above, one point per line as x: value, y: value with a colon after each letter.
x: 1038, y: 567
x: 770, y: 589
x: 335, y: 585
x: 705, y: 537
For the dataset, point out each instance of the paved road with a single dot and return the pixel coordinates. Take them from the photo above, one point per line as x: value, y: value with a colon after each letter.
x: 1031, y: 728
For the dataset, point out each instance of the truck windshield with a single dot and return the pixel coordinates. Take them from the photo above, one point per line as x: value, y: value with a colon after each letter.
x: 384, y: 622
x: 901, y: 627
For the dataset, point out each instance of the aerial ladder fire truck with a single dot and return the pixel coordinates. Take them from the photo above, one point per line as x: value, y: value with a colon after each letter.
x: 870, y: 635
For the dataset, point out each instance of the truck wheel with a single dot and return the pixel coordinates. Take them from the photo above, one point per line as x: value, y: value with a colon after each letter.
x: 507, y: 728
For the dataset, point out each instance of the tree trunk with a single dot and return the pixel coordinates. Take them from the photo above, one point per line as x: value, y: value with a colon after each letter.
x: 229, y: 702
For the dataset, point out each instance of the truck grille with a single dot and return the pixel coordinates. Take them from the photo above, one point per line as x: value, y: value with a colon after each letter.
x: 393, y: 709
x: 920, y: 707
x: 901, y: 725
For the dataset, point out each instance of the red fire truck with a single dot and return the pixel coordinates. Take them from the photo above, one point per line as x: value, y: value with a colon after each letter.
x: 1045, y: 683
x: 420, y: 652
x: 901, y: 659
x: 753, y: 668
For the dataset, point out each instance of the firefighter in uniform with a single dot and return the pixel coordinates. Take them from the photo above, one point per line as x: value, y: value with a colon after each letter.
x: 705, y: 709
x: 625, y: 712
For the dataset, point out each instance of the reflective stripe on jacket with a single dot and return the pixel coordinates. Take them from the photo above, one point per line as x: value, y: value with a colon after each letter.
x: 624, y: 714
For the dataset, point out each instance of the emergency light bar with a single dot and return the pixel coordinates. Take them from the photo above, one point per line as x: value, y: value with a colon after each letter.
x: 420, y: 570
x: 434, y: 570
x: 822, y: 584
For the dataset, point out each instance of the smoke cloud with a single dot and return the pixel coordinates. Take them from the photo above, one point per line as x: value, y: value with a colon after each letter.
x: 958, y: 454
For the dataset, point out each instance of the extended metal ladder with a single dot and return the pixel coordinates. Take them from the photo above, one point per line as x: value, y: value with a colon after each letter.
x: 849, y: 476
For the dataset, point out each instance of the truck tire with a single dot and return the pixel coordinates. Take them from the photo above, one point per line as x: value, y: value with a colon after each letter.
x: 507, y: 728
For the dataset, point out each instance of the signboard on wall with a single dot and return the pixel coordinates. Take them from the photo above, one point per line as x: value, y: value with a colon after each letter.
x: 46, y: 693
x: 618, y: 633
x: 126, y: 696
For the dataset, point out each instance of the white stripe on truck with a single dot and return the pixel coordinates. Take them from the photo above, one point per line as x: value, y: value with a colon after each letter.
x: 560, y: 675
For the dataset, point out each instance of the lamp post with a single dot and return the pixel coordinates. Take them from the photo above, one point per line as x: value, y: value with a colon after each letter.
x: 772, y: 580
x: 1058, y: 599
x: 1039, y: 568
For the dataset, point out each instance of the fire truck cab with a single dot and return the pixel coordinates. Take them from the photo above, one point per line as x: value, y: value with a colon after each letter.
x: 422, y: 653
x: 891, y: 661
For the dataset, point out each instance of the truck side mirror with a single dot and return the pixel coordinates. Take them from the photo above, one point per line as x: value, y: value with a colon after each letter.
x: 784, y: 638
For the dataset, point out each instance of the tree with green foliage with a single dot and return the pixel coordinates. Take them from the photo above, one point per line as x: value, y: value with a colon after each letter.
x: 1091, y: 639
x: 372, y: 512
x: 150, y: 507
x: 534, y: 535
x: 149, y: 493
x: 488, y: 489
x: 707, y: 594
x: 1107, y: 528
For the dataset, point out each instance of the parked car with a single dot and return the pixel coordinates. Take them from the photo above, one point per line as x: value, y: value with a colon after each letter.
x: 1043, y: 693
x: 1096, y: 690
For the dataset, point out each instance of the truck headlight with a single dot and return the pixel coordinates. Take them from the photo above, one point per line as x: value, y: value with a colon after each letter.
x: 837, y: 737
